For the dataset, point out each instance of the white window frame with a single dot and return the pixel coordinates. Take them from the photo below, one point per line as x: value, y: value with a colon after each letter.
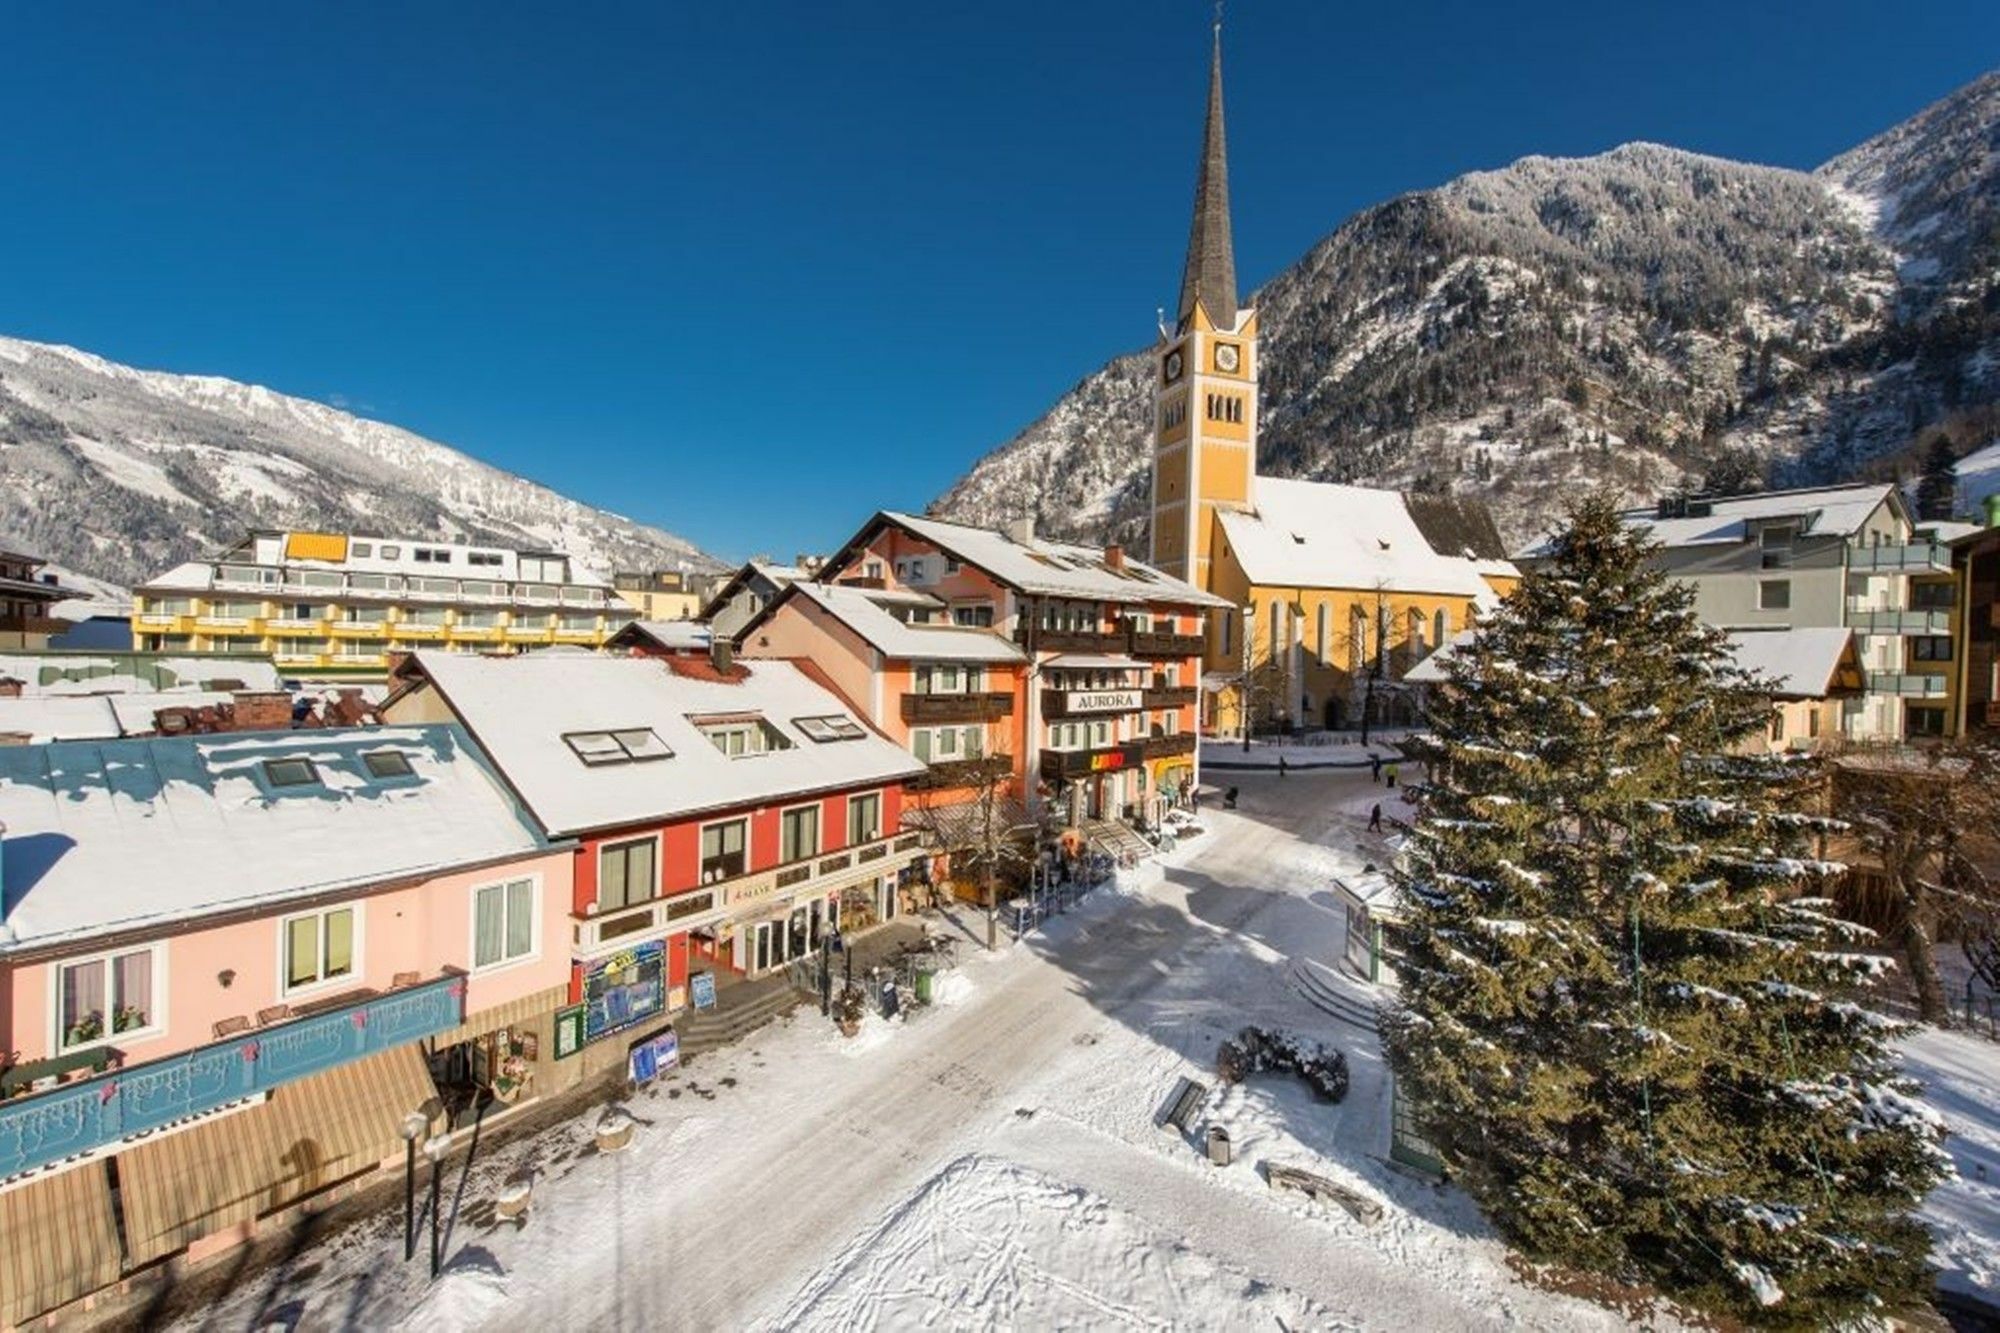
x: 819, y: 830
x: 354, y: 974
x: 659, y: 872
x: 701, y: 839
x: 854, y: 796
x: 534, y: 953
x: 154, y: 1029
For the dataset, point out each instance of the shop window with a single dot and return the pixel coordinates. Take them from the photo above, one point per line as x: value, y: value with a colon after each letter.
x: 112, y: 997
x: 864, y: 818
x: 320, y: 947
x: 625, y: 873
x: 503, y: 923
x: 798, y: 833
x: 722, y: 850
x: 624, y: 989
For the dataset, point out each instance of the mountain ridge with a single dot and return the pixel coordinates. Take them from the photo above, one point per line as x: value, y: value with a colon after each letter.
x: 121, y: 472
x: 1648, y: 316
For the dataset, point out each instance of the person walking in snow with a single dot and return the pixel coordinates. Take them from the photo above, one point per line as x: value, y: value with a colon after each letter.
x: 1281, y: 765
x: 1374, y: 768
x: 1392, y: 777
x: 1375, y: 818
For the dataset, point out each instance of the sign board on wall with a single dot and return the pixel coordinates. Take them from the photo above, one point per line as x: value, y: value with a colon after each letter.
x: 1101, y: 701
x: 569, y: 1031
x: 625, y: 989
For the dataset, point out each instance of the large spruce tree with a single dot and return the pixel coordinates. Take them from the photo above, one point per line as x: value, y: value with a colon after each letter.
x: 1620, y: 1023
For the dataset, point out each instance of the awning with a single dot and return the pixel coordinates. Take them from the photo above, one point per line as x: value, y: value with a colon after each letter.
x: 61, y: 1241
x: 513, y: 1013
x: 307, y: 1136
x: 1096, y: 662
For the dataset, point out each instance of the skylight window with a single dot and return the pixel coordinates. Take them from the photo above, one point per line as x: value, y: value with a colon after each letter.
x: 290, y: 772
x: 387, y: 764
x: 826, y: 730
x: 625, y: 746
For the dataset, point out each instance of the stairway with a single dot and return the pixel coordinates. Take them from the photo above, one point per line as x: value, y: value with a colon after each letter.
x: 1328, y: 996
x: 1115, y: 838
x: 704, y: 1031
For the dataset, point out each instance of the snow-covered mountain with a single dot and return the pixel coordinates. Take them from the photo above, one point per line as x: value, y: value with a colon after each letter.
x: 120, y: 473
x: 1648, y: 317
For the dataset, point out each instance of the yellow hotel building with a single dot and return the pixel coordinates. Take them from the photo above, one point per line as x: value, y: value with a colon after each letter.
x: 340, y: 603
x: 1337, y: 590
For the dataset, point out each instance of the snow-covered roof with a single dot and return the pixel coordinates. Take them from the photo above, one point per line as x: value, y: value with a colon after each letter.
x: 1802, y: 660
x: 865, y: 611
x: 114, y: 835
x: 45, y: 718
x: 521, y: 709
x: 1373, y: 889
x: 192, y: 576
x: 1827, y: 511
x: 1310, y: 534
x: 690, y: 635
x: 48, y: 673
x: 1054, y: 569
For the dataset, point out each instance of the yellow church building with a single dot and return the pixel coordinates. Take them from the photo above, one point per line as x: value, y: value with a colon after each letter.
x: 1336, y: 591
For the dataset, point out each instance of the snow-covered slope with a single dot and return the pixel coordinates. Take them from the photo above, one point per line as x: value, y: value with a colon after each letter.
x: 120, y: 473
x: 1645, y: 317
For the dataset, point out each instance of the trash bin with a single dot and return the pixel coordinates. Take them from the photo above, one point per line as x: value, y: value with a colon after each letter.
x: 1220, y: 1150
x: 925, y: 978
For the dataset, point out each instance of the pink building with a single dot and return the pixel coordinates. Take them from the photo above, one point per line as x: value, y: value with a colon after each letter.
x: 232, y: 966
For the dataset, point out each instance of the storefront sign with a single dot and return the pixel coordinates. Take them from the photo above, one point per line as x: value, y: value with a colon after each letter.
x: 655, y: 1056
x: 569, y: 1031
x: 702, y: 984
x: 626, y: 988
x: 1101, y: 701
x: 1108, y: 760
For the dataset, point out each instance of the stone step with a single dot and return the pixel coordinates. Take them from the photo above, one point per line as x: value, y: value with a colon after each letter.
x: 706, y: 1031
x: 1332, y: 1001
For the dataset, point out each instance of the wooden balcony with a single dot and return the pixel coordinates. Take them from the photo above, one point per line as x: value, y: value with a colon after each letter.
x: 1168, y: 747
x: 1037, y: 639
x: 1172, y: 696
x: 991, y: 707
x: 948, y: 773
x: 1067, y: 764
x: 1155, y: 643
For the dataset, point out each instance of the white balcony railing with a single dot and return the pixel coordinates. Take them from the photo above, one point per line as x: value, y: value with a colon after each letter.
x: 1906, y: 684
x: 1868, y: 618
x: 1920, y: 558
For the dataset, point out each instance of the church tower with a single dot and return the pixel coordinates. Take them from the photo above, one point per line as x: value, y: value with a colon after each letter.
x: 1205, y: 385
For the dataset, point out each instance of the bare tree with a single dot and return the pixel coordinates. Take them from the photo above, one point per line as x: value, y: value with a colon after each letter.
x: 1924, y: 819
x: 986, y: 836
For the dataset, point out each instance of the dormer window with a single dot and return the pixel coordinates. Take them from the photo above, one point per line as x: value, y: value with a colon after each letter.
x: 741, y: 735
x: 282, y: 773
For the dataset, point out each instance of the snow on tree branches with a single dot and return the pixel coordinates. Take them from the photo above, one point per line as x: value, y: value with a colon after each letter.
x: 1627, y: 1021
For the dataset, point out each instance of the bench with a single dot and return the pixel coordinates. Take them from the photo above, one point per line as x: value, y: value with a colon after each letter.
x: 1181, y: 1104
x: 1364, y: 1209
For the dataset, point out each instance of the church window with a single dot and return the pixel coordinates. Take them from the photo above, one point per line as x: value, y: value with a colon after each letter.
x: 1442, y: 624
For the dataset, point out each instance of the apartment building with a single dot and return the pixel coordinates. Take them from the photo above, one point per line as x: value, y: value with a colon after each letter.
x: 215, y: 950
x: 331, y: 603
x: 1835, y: 557
x: 751, y: 588
x: 26, y: 595
x: 724, y: 815
x: 666, y: 594
x: 1104, y: 722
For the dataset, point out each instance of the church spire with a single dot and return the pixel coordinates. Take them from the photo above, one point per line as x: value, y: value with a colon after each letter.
x: 1210, y: 275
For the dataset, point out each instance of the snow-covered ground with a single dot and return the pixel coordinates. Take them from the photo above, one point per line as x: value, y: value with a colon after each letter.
x: 993, y: 1161
x: 1961, y: 1078
x: 1320, y: 748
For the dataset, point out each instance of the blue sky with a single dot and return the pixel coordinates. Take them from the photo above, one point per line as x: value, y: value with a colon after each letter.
x: 752, y: 270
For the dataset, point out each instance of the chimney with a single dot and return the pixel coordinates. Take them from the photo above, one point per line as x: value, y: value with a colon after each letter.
x: 1114, y: 557
x: 1022, y: 530
x: 721, y: 653
x: 261, y: 710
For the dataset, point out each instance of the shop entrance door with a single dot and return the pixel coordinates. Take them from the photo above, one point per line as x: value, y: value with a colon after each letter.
x: 760, y: 950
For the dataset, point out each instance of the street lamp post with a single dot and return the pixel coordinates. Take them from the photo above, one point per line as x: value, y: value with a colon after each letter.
x: 1249, y: 632
x: 435, y: 1148
x: 411, y: 1129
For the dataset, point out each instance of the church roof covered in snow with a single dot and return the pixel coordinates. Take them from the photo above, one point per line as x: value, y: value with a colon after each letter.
x: 1311, y: 534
